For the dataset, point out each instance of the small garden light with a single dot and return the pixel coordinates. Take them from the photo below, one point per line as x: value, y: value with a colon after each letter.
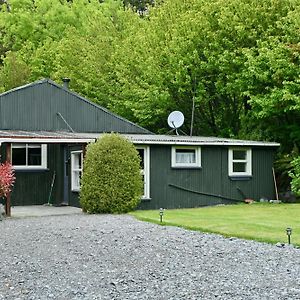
x: 289, y: 233
x: 161, y: 213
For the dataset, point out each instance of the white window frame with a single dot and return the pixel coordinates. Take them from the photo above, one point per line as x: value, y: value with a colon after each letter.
x: 75, y: 172
x: 196, y: 164
x: 248, y: 162
x: 43, y: 164
x: 146, y: 171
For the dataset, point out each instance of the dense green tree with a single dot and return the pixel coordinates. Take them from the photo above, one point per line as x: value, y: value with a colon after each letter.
x: 195, y: 49
x: 70, y: 40
x: 273, y: 89
x: 139, y: 6
x: 14, y: 72
x: 6, y: 3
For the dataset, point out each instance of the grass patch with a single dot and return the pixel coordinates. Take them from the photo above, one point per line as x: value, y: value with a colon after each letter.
x: 260, y: 222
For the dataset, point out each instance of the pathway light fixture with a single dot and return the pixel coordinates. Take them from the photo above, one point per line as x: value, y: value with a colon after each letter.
x: 161, y: 213
x: 289, y: 233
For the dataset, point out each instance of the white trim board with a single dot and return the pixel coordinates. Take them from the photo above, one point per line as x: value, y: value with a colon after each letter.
x: 135, y: 141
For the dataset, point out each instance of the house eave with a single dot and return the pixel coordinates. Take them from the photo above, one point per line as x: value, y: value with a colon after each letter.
x: 207, y: 144
x: 140, y: 139
x: 45, y: 140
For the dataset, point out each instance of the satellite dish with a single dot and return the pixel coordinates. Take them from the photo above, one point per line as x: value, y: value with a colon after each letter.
x: 175, y: 119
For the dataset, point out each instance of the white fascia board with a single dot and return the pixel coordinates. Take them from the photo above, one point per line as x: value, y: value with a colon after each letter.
x: 82, y: 140
x: 204, y: 143
x: 46, y: 140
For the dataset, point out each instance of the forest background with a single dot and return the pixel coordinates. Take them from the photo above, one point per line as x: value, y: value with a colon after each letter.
x: 238, y: 60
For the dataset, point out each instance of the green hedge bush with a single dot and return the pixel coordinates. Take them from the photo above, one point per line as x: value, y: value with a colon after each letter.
x: 295, y: 175
x: 111, y: 181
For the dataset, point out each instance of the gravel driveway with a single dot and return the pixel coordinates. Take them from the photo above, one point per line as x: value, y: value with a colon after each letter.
x: 118, y: 257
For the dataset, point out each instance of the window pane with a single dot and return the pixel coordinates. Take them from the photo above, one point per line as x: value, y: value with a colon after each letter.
x: 239, y: 167
x: 141, y: 154
x: 239, y: 154
x: 76, y: 178
x: 34, y: 146
x: 34, y: 155
x: 19, y: 156
x: 77, y: 161
x: 185, y: 156
x: 18, y: 146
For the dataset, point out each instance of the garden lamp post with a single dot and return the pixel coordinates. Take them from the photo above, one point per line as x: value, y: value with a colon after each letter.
x: 161, y: 213
x: 289, y: 233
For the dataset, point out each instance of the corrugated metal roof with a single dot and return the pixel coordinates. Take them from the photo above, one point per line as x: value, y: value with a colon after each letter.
x: 74, y: 137
x: 20, y: 136
x: 194, y: 140
x: 35, y: 134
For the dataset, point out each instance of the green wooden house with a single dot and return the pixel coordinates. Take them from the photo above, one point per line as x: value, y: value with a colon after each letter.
x: 45, y: 127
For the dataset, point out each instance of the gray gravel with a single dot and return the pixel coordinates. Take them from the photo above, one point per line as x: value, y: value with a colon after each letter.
x: 118, y: 257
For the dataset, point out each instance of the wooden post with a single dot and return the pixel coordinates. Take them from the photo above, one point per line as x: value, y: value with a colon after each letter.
x: 275, y: 184
x: 7, y: 203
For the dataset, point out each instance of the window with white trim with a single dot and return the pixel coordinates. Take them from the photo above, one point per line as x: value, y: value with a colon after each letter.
x: 144, y: 153
x: 76, y: 170
x: 29, y: 156
x: 186, y: 157
x: 239, y: 162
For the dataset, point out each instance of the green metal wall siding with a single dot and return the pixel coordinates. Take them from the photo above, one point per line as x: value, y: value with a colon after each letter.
x: 57, y: 161
x: 212, y: 178
x: 259, y: 185
x: 165, y: 182
x: 36, y: 108
x: 33, y: 187
x: 262, y: 164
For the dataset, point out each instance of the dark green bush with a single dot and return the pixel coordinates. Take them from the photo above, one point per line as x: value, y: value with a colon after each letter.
x: 295, y: 175
x: 111, y: 180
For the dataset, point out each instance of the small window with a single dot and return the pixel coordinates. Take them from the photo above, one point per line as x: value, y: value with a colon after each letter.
x: 31, y: 156
x: 239, y: 162
x: 76, y: 170
x: 144, y: 154
x: 186, y: 157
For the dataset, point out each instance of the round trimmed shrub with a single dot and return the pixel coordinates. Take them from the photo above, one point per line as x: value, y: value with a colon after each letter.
x: 111, y: 181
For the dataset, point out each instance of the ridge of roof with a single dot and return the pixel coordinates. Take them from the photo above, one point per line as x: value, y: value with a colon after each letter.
x: 27, y: 85
x: 48, y: 80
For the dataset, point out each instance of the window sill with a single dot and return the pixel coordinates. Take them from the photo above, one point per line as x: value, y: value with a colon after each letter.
x: 145, y: 199
x: 186, y: 167
x: 240, y: 177
x: 30, y: 170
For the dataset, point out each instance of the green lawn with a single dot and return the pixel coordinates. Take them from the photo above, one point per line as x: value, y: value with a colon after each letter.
x: 261, y: 222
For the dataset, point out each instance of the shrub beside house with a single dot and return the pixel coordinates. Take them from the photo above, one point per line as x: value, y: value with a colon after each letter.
x: 111, y: 181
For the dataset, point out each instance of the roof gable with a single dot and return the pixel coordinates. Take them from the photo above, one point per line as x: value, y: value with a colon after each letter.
x: 45, y: 105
